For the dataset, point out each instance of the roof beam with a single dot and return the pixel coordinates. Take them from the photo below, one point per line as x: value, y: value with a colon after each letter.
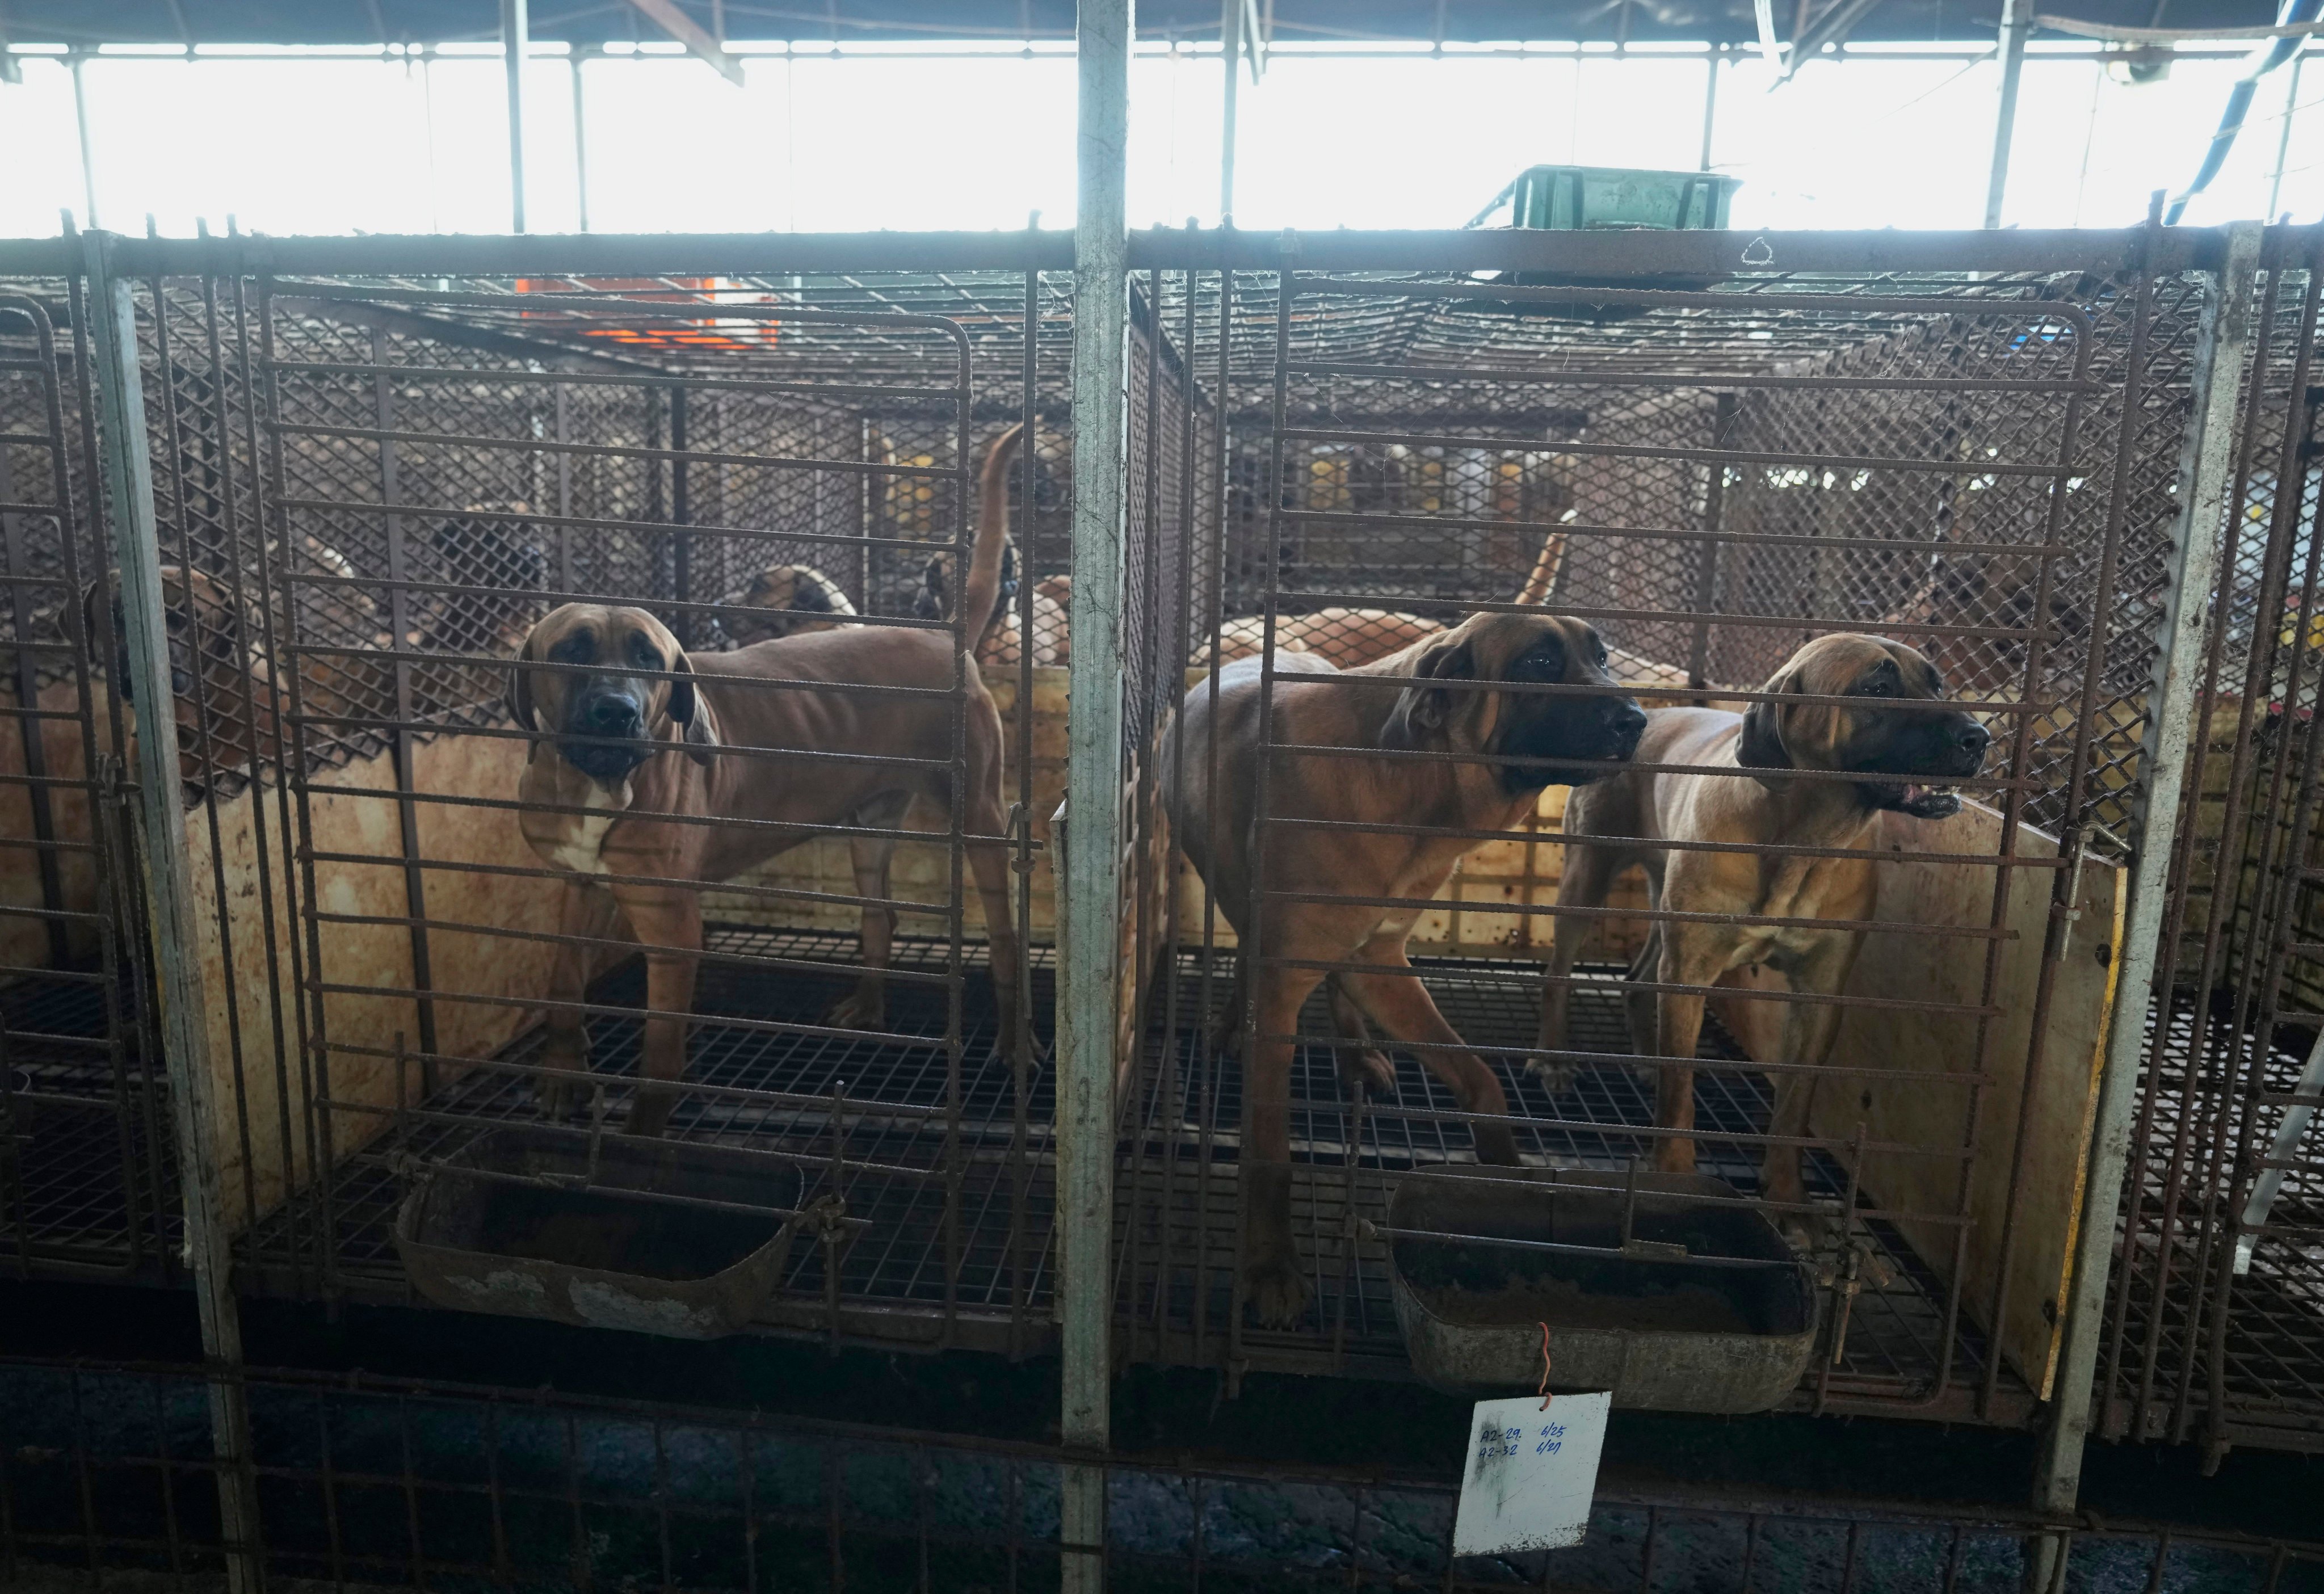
x: 666, y: 15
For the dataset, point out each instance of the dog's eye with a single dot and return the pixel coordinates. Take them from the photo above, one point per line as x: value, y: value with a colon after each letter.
x: 1877, y: 688
x: 1598, y: 644
x: 644, y: 654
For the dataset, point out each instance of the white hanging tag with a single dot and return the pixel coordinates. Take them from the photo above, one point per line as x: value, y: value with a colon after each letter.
x: 1532, y: 1473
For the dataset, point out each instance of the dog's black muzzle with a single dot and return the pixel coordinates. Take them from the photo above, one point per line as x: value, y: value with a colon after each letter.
x: 1936, y: 748
x: 605, y: 733
x: 1599, y: 735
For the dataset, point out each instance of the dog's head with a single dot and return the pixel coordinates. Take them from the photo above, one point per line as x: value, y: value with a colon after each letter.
x: 933, y: 600
x: 495, y: 555
x: 611, y: 687
x: 792, y: 600
x: 1896, y: 725
x: 1594, y: 728
x: 210, y: 634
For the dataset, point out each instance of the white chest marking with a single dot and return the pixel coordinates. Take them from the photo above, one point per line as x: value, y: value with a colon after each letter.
x: 580, y: 852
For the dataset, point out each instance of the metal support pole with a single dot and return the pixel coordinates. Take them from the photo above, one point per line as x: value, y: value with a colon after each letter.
x: 1710, y: 103
x: 1091, y: 888
x: 2017, y: 23
x: 87, y: 148
x: 580, y: 140
x: 2284, y: 135
x: 1231, y: 58
x: 2206, y: 462
x: 170, y: 897
x: 516, y: 43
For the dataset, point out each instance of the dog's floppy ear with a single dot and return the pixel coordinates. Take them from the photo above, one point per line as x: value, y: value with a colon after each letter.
x: 692, y: 713
x: 1761, y: 746
x: 1422, y: 712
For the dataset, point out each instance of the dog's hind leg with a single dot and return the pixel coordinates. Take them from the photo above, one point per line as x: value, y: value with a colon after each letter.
x: 669, y: 923
x: 866, y: 1007
x: 1360, y: 1062
x: 1810, y: 1028
x: 1401, y: 1006
x: 585, y: 915
x: 1272, y: 1278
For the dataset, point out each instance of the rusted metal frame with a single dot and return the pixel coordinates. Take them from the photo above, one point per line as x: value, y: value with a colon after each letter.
x: 1391, y: 755
x: 1707, y: 551
x: 2204, y: 471
x: 1670, y: 616
x: 1220, y: 490
x: 564, y: 380
x: 1167, y: 1116
x: 1020, y: 1060
x: 762, y: 1025
x: 653, y: 453
x: 562, y: 420
x: 964, y: 670
x: 1862, y: 306
x: 404, y: 744
x: 289, y: 834
x: 1656, y: 915
x: 316, y: 1042
x: 521, y: 872
x: 207, y: 715
x: 752, y: 959
x: 2063, y: 884
x: 105, y: 862
x: 28, y: 677
x: 169, y: 888
x: 1529, y: 377
x: 569, y: 522
x: 680, y: 540
x: 1906, y: 707
x: 2276, y: 929
x: 1812, y: 462
x: 166, y: 1467
x: 1662, y: 843
x: 2275, y: 570
x: 1147, y: 329
x: 232, y: 519
x: 1251, y: 951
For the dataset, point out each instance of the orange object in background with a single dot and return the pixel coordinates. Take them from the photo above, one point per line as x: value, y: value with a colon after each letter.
x: 729, y: 332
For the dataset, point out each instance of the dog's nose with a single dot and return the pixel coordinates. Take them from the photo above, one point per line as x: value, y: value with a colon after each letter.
x: 1973, y: 739
x: 1628, y: 721
x: 611, y: 715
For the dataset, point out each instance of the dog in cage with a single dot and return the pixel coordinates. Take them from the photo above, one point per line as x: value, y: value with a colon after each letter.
x: 635, y: 743
x: 1003, y: 639
x: 221, y: 678
x: 1872, y: 711
x: 1373, y: 836
x: 788, y: 601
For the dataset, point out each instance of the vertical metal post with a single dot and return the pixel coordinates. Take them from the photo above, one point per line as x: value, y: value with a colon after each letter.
x: 2207, y: 460
x: 170, y: 896
x: 681, y: 513
x: 580, y: 139
x: 1231, y: 58
x: 1091, y: 888
x: 516, y: 43
x: 2017, y: 23
x: 87, y: 147
x: 2283, y: 135
x: 1710, y: 105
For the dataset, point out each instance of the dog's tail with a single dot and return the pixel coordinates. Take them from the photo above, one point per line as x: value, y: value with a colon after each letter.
x: 1543, y: 580
x: 982, y: 591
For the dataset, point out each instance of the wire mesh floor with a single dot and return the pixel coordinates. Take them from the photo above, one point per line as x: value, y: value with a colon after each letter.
x: 895, y: 1179
x: 1896, y: 1340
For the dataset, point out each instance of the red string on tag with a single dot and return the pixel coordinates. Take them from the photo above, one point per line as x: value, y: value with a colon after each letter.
x: 1543, y: 1390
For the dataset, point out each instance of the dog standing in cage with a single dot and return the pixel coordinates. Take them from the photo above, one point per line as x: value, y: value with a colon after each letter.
x: 1359, y: 833
x: 1872, y: 708
x: 639, y: 750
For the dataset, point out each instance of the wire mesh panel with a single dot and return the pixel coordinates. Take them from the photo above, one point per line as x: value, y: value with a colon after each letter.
x: 400, y: 504
x: 2216, y: 1325
x: 368, y: 1482
x: 1762, y: 500
x: 86, y: 1170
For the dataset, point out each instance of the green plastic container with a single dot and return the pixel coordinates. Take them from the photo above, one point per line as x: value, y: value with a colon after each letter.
x: 1577, y: 198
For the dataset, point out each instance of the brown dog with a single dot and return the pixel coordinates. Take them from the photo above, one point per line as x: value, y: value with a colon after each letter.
x: 1898, y: 750
x: 800, y: 599
x: 632, y: 739
x: 1425, y: 698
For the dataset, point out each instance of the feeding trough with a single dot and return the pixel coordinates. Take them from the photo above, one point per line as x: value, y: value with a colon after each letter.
x: 523, y: 1224
x: 1650, y: 1289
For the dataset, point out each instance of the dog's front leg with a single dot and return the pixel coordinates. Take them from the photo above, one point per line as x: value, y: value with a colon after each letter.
x: 584, y: 917
x: 1400, y: 1004
x: 1810, y: 1028
x: 669, y: 923
x: 1678, y: 1028
x: 1272, y: 1279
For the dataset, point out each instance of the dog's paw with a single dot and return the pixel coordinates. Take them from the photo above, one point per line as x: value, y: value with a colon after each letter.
x: 559, y: 1098
x: 1556, y: 1074
x: 1367, y: 1066
x: 858, y: 1009
x: 1276, y: 1290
